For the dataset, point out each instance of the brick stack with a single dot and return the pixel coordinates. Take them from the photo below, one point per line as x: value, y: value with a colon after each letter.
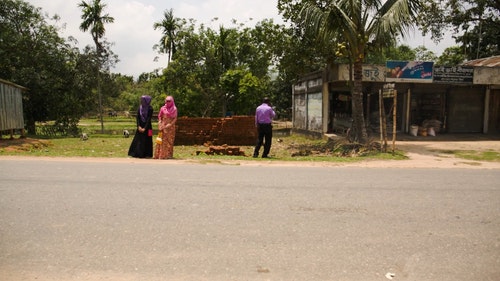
x: 224, y: 150
x: 193, y: 130
x: 237, y: 130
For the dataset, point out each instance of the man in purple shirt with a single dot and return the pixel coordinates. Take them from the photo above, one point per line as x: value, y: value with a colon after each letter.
x: 264, y: 115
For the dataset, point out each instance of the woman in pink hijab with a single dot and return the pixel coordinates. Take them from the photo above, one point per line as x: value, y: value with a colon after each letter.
x: 167, y: 117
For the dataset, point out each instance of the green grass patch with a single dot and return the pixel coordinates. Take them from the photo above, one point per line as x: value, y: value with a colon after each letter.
x: 294, y: 148
x: 112, y: 125
x: 112, y: 144
x: 489, y: 155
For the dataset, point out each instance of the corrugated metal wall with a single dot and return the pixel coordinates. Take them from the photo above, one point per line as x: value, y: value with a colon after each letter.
x: 465, y: 110
x: 11, y: 106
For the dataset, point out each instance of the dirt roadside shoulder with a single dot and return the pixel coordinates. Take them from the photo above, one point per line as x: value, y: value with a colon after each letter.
x: 421, y: 154
x: 429, y: 154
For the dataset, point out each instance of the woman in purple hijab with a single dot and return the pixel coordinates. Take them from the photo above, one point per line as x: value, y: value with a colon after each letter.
x: 142, y: 144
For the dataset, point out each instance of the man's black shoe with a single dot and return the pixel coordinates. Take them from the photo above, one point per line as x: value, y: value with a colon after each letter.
x: 255, y: 156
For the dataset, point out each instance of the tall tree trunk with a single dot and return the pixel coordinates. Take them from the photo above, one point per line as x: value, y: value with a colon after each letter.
x: 99, y: 94
x: 357, y: 103
x: 31, y: 126
x: 99, y: 82
x: 224, y: 107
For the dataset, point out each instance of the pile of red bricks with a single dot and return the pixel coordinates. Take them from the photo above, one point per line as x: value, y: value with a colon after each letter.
x: 223, y: 150
x: 237, y: 130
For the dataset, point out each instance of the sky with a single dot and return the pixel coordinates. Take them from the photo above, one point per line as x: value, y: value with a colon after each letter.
x: 133, y: 35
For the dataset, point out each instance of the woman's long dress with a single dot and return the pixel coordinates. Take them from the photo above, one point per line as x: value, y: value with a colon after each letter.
x: 142, y: 144
x: 165, y: 150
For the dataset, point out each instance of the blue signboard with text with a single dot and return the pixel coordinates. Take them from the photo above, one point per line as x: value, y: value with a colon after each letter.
x: 409, y: 71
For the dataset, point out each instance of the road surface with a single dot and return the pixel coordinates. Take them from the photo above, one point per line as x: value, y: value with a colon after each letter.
x: 124, y: 219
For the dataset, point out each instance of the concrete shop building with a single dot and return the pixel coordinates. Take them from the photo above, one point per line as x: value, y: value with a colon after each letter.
x: 462, y: 99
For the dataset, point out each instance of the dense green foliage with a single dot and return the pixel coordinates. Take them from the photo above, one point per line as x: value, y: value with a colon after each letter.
x: 218, y: 71
x: 213, y: 72
x: 59, y: 77
x: 474, y: 23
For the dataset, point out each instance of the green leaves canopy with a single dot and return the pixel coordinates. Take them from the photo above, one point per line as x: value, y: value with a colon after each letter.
x: 94, y: 19
x: 33, y: 55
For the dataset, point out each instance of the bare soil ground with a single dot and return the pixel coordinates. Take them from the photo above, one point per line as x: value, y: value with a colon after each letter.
x: 436, y: 154
x: 22, y: 144
x: 426, y: 152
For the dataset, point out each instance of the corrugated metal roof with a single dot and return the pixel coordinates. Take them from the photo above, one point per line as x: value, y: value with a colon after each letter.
x: 488, y: 62
x: 13, y: 84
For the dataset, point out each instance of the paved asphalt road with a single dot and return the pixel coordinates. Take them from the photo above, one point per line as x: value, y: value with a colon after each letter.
x: 150, y: 220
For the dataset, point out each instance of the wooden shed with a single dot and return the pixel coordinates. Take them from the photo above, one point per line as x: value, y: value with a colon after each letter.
x: 11, y: 107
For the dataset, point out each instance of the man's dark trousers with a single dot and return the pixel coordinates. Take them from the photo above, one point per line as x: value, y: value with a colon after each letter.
x: 266, y: 136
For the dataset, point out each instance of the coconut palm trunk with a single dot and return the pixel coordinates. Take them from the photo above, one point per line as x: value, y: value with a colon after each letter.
x: 357, y: 23
x: 357, y: 102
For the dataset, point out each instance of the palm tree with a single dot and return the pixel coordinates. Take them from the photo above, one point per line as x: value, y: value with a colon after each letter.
x: 169, y: 25
x: 358, y: 23
x: 94, y: 20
